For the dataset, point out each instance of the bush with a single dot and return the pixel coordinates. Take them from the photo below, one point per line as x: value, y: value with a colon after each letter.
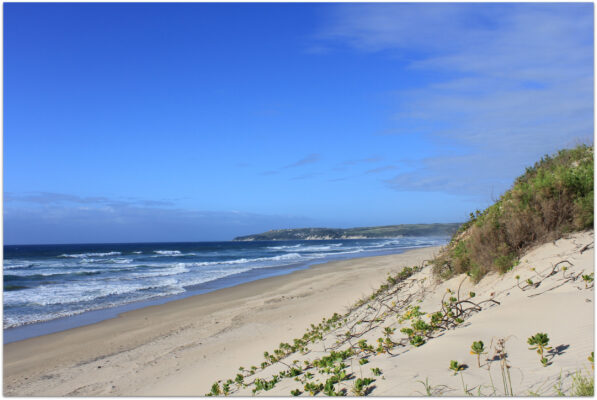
x: 550, y: 199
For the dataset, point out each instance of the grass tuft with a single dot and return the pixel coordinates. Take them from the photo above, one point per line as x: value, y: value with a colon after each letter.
x: 582, y: 385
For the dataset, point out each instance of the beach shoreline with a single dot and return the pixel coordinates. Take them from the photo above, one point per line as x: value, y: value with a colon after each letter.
x: 91, y: 316
x: 182, y: 346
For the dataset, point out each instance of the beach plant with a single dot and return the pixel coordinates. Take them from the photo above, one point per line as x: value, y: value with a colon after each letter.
x: 389, y: 331
x: 364, y: 347
x: 215, y: 390
x: 502, y: 355
x: 264, y: 384
x: 539, y: 342
x: 417, y: 341
x: 295, y: 392
x: 591, y: 359
x: 313, y: 388
x: 558, y: 386
x: 361, y: 386
x: 427, y: 386
x: 376, y: 371
x: 582, y: 386
x: 478, y: 349
x: 408, y: 331
x: 564, y: 270
x: 363, y: 361
x: 456, y: 367
x: 588, y: 279
x: 329, y: 388
x: 432, y: 391
x: 226, y: 387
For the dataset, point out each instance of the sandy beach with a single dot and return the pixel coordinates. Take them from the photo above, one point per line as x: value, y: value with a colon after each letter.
x: 182, y: 347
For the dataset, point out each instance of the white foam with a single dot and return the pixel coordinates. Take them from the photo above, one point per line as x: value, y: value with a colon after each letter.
x: 11, y: 320
x: 10, y: 264
x: 50, y: 272
x: 301, y: 247
x: 107, y: 260
x: 167, y: 252
x: 85, y: 255
x: 83, y: 291
x: 180, y: 268
x: 282, y: 257
x: 284, y: 247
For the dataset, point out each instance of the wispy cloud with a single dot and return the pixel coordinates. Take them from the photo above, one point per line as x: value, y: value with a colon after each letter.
x: 514, y: 82
x: 337, y: 179
x: 305, y: 176
x: 310, y: 159
x: 52, y: 198
x: 453, y: 174
x: 64, y: 218
x: 362, y: 161
x: 381, y: 169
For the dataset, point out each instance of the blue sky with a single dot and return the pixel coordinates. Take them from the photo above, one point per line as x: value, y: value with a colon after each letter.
x: 189, y: 122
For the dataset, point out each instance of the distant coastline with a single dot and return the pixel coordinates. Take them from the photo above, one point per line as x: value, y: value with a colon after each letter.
x: 372, y: 232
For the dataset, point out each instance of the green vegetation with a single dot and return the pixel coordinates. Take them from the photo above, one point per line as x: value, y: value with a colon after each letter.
x: 478, y: 348
x: 360, y: 387
x: 582, y: 385
x: 588, y: 279
x: 539, y: 343
x: 552, y: 198
x: 357, y: 233
x: 456, y: 367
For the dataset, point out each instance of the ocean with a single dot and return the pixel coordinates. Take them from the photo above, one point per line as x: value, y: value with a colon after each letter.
x: 44, y: 283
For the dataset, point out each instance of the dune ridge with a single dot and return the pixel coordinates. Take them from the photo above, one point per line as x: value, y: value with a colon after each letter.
x: 545, y: 293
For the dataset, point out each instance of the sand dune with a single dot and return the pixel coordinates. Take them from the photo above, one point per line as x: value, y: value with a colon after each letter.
x: 560, y: 306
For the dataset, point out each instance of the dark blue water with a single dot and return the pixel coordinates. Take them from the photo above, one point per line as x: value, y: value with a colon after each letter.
x: 43, y: 283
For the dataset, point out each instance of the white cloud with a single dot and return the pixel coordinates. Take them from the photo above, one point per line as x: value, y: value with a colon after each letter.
x: 513, y: 82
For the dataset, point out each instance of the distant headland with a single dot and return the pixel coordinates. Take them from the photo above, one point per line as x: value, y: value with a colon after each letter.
x: 372, y: 232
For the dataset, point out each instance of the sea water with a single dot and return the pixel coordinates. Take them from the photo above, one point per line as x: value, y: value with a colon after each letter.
x: 46, y: 282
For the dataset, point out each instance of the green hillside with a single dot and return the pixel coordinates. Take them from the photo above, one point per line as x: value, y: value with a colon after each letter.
x: 354, y: 233
x: 550, y: 199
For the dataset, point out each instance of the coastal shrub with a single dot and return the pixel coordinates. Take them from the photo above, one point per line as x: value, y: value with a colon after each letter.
x: 552, y: 198
x: 539, y: 342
